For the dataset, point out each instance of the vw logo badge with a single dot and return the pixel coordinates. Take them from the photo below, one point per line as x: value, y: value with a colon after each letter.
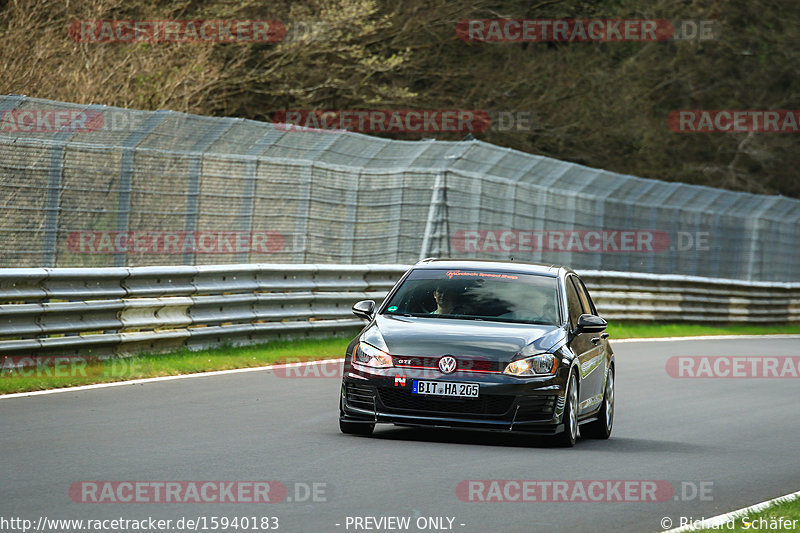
x: 447, y: 364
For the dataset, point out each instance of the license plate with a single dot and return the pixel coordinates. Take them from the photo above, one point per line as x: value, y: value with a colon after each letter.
x: 445, y: 388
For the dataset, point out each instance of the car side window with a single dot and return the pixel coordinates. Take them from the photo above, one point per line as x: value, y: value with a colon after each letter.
x: 583, y: 294
x: 573, y: 303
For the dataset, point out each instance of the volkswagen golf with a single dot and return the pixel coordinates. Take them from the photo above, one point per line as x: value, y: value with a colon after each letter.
x: 484, y: 345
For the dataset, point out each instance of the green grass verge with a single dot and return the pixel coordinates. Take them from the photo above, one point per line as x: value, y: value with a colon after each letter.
x: 779, y: 517
x: 74, y: 373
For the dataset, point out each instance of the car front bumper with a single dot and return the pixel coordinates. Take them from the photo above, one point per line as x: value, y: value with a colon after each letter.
x: 505, y: 403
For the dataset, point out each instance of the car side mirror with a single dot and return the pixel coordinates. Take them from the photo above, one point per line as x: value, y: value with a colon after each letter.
x: 590, y: 324
x: 364, y: 309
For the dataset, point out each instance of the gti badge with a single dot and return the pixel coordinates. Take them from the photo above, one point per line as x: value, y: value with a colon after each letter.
x: 400, y: 380
x: 447, y: 364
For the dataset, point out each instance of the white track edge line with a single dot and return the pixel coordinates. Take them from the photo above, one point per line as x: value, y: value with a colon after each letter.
x: 706, y: 337
x: 168, y: 378
x: 709, y: 523
x: 269, y: 367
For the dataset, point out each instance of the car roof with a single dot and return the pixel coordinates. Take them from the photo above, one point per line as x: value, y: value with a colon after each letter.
x: 501, y: 266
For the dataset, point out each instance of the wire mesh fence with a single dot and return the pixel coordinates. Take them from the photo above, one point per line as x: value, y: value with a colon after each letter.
x: 95, y: 186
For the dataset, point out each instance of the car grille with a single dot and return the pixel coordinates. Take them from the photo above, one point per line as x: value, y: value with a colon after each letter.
x: 536, y: 408
x: 360, y: 396
x: 398, y: 400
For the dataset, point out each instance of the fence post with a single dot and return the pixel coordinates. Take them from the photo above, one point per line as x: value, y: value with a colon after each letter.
x: 126, y: 176
x: 195, y: 169
x: 52, y: 207
x: 432, y: 210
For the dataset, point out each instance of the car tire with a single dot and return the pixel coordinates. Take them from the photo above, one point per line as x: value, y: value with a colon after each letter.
x: 567, y: 438
x: 601, y: 428
x: 356, y: 428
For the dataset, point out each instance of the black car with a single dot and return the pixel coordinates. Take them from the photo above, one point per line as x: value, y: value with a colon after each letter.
x: 486, y: 345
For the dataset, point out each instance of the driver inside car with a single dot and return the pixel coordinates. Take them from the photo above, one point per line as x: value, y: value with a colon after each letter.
x: 446, y: 300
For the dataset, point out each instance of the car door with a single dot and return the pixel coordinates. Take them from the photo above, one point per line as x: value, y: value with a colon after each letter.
x: 590, y: 352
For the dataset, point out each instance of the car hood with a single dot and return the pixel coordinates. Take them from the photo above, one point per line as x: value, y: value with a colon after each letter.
x: 434, y: 337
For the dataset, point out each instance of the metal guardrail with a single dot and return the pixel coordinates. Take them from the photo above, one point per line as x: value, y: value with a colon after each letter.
x: 117, y: 311
x: 673, y: 298
x: 101, y: 312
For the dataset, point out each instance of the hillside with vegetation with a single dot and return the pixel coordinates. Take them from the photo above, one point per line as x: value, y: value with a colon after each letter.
x: 603, y: 104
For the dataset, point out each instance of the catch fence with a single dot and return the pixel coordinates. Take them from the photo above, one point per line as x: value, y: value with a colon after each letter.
x: 94, y: 186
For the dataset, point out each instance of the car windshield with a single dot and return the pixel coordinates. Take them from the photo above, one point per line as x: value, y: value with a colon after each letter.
x: 477, y: 295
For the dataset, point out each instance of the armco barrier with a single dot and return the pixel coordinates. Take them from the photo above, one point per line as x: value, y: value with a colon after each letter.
x: 672, y: 298
x: 116, y: 311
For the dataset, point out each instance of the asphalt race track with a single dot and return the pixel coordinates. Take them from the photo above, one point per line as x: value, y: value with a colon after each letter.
x: 736, y: 438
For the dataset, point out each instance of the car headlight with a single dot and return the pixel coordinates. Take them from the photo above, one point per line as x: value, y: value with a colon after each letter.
x: 538, y: 365
x: 368, y: 355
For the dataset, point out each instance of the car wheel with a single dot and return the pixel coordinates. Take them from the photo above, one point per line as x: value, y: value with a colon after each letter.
x: 601, y: 428
x: 570, y: 434
x: 356, y: 428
